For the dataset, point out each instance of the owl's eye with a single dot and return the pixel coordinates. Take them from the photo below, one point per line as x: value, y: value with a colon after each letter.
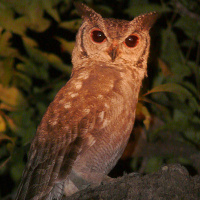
x: 98, y: 36
x: 132, y: 40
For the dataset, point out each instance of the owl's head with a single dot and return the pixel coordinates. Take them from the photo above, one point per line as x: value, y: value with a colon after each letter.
x: 112, y: 41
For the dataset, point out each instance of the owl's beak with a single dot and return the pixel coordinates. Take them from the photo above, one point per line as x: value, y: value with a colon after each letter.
x: 113, y: 52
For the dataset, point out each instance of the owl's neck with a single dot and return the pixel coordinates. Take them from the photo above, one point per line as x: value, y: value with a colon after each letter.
x: 136, y: 72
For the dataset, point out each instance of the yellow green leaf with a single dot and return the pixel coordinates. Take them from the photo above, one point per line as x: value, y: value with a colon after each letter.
x: 8, y: 21
x: 4, y: 162
x: 6, y: 71
x: 56, y: 62
x: 4, y: 106
x: 5, y: 49
x: 142, y: 110
x: 72, y: 25
x: 153, y: 164
x: 66, y: 45
x: 12, y: 124
x: 164, y: 67
x: 36, y: 16
x: 30, y: 41
x: 48, y: 5
x: 170, y: 87
x: 175, y: 88
x: 22, y: 80
x: 5, y: 137
x: 2, y: 124
x: 162, y: 108
x: 12, y: 96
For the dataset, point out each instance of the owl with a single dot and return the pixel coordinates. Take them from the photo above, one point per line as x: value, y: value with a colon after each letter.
x: 87, y: 126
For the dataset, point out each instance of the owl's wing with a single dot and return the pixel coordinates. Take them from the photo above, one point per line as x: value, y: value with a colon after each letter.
x: 50, y: 160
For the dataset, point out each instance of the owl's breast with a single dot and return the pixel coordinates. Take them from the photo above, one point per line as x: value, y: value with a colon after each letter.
x: 104, y: 89
x: 110, y: 101
x: 101, y: 96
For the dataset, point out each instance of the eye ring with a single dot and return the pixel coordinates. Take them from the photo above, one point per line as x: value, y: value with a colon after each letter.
x: 98, y: 36
x: 132, y: 40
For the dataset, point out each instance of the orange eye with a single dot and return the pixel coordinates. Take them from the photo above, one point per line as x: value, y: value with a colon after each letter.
x: 98, y: 36
x: 132, y: 41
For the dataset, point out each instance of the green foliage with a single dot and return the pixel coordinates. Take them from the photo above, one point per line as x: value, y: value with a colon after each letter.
x: 35, y: 64
x: 26, y: 80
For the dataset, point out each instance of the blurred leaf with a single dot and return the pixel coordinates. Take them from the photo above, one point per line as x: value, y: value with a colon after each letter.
x: 35, y: 13
x: 174, y: 88
x: 5, y: 161
x: 188, y: 43
x: 196, y: 71
x: 184, y: 161
x: 16, y: 163
x: 5, y: 37
x: 173, y: 56
x: 142, y: 112
x: 57, y: 63
x: 193, y: 134
x: 168, y: 87
x: 136, y: 9
x: 11, y: 146
x: 48, y: 5
x: 5, y: 49
x: 24, y: 120
x: 66, y: 45
x: 8, y: 22
x: 191, y: 87
x: 190, y: 27
x: 159, y: 107
x: 6, y: 71
x: 2, y: 125
x: 164, y: 67
x: 12, y: 96
x: 4, y: 106
x: 56, y: 88
x: 17, y: 170
x: 153, y: 164
x: 42, y: 107
x: 134, y: 163
x: 13, y: 127
x: 34, y: 53
x: 20, y: 25
x: 29, y: 41
x: 37, y: 65
x: 72, y: 25
x: 20, y: 6
x: 5, y: 137
x: 183, y: 123
x: 33, y: 70
x: 23, y: 81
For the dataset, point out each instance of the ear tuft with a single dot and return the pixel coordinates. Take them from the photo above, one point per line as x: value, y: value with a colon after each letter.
x: 146, y: 21
x: 86, y: 12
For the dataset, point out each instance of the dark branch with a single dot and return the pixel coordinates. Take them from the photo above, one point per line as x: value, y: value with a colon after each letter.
x: 170, y: 182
